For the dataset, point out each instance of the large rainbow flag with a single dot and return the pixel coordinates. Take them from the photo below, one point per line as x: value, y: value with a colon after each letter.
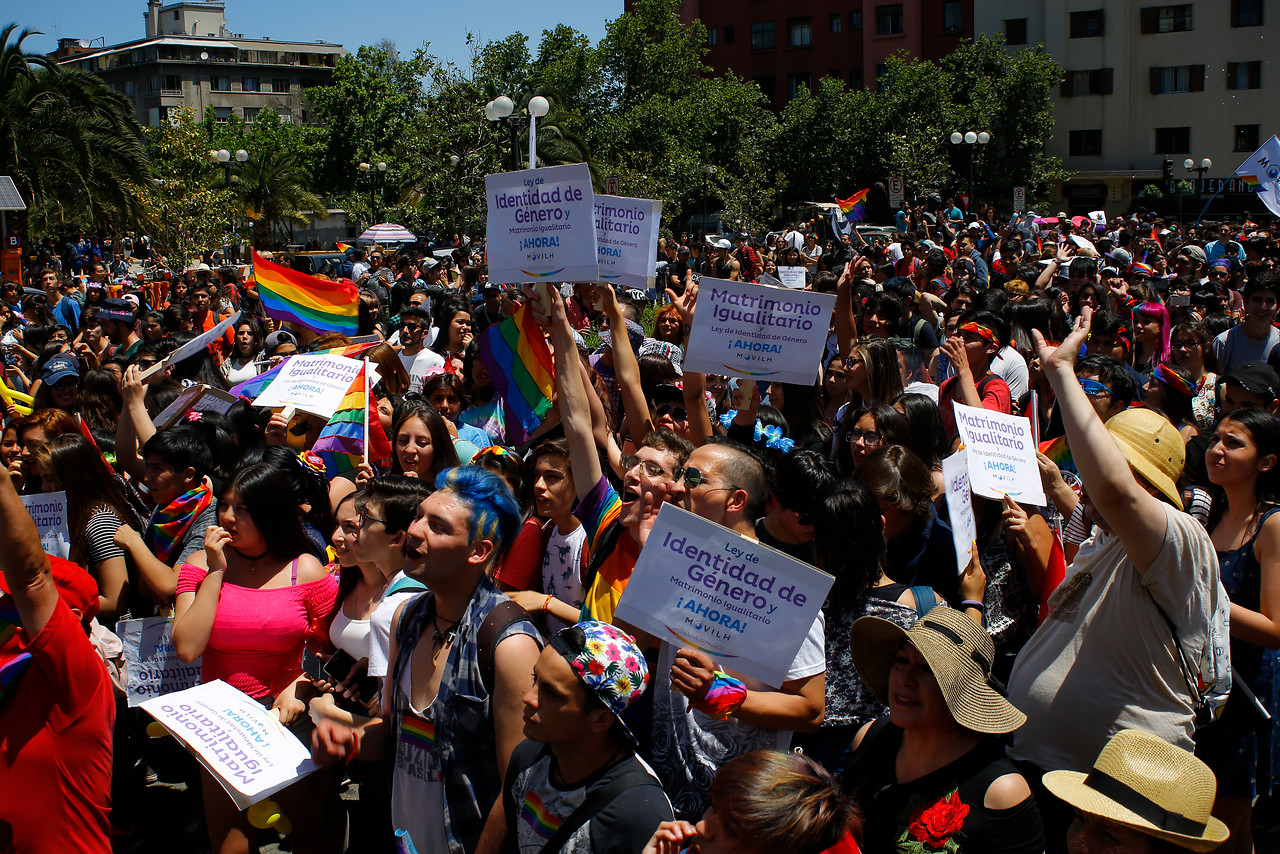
x: 519, y: 362
x: 341, y: 444
x: 313, y: 303
x: 854, y: 207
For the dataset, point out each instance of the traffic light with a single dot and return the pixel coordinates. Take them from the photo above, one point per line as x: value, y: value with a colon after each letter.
x: 1168, y: 170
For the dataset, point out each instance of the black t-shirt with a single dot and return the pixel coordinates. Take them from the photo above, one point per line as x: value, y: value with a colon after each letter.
x: 799, y: 551
x: 535, y: 806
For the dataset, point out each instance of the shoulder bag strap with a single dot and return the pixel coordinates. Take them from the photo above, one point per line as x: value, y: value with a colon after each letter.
x: 595, y: 802
x: 924, y: 593
x: 502, y: 617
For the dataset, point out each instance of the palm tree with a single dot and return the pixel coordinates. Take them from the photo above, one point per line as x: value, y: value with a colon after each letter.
x: 68, y: 140
x: 274, y: 188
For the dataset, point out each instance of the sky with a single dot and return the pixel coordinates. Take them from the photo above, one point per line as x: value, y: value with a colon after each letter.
x: 407, y: 23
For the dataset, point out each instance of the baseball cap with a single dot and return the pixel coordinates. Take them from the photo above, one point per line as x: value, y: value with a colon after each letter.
x: 280, y: 336
x: 75, y: 586
x: 608, y: 663
x: 60, y: 368
x: 722, y: 243
x: 116, y: 309
x: 1195, y: 252
x: 1122, y: 257
x: 1255, y: 377
x: 430, y: 263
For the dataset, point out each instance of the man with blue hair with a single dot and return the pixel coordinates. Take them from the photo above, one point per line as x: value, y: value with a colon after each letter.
x: 463, y: 653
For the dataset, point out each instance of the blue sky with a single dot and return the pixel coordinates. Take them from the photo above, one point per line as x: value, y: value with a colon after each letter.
x: 408, y: 24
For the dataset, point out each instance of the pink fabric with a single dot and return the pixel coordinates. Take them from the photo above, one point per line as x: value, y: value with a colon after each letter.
x: 258, y: 635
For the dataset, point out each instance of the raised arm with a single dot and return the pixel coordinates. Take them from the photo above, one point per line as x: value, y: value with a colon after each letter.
x: 134, y: 427
x: 846, y: 323
x: 575, y: 409
x: 23, y: 561
x: 626, y: 366
x: 1134, y: 515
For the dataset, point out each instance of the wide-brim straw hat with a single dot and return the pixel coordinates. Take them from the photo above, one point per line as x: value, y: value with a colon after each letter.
x: 959, y: 653
x: 1143, y: 782
x: 1153, y: 448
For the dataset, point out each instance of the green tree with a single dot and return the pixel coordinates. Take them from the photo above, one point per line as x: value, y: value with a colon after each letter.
x: 68, y: 140
x: 274, y: 190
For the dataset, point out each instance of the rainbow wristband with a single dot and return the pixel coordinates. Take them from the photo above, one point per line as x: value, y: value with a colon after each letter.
x: 725, y: 696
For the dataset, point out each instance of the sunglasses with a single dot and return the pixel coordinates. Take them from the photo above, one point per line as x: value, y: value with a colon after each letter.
x: 412, y: 327
x: 869, y: 438
x: 693, y: 478
x: 1094, y: 388
x: 677, y: 413
x: 652, y: 469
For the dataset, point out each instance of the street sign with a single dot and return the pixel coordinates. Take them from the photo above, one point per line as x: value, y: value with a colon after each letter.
x: 897, y: 193
x: 1019, y: 199
x: 13, y: 240
x: 964, y: 200
x: 611, y: 186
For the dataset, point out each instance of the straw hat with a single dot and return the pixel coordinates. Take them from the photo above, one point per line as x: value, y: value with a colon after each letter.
x: 1145, y: 783
x: 1153, y: 448
x: 960, y: 655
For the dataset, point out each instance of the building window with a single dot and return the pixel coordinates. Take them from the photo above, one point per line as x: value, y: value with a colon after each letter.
x: 1177, y: 78
x: 1247, y: 137
x: 730, y: 33
x: 835, y: 22
x: 798, y: 81
x: 173, y: 82
x: 1173, y: 140
x: 285, y: 114
x: 762, y: 35
x: 222, y: 115
x: 800, y: 32
x: 280, y: 84
x: 1246, y: 13
x: 889, y: 20
x: 128, y: 87
x: 175, y: 14
x: 251, y: 114
x: 882, y: 76
x: 855, y: 78
x: 250, y: 84
x: 1015, y: 31
x: 711, y: 36
x: 855, y: 20
x: 220, y: 84
x: 1095, y: 81
x: 1090, y: 24
x: 951, y: 21
x: 1085, y: 143
x: 1165, y: 19
x: 836, y: 73
x: 1244, y: 75
x: 769, y: 86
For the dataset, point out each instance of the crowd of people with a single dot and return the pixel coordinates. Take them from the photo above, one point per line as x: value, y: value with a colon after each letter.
x: 441, y: 630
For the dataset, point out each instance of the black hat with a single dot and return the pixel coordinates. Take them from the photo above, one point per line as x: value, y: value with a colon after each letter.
x: 116, y: 309
x: 1255, y: 377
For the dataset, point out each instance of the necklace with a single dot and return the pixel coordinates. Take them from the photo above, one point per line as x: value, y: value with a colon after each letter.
x: 250, y: 558
x: 439, y: 638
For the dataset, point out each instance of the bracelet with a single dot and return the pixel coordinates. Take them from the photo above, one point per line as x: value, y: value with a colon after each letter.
x: 546, y: 603
x: 355, y: 745
x: 973, y: 603
x: 725, y: 696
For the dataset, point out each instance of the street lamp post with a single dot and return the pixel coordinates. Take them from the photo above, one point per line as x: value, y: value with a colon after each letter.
x: 222, y: 158
x: 1205, y: 165
x: 502, y: 109
x: 375, y: 179
x: 971, y: 139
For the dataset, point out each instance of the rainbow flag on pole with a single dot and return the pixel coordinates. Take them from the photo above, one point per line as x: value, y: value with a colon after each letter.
x: 316, y: 304
x: 519, y: 362
x: 353, y: 431
x: 342, y: 247
x: 855, y: 206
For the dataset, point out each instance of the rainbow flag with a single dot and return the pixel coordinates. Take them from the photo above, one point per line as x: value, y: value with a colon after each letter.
x: 342, y: 247
x: 341, y: 443
x: 854, y: 207
x: 418, y: 732
x: 538, y: 818
x: 316, y: 304
x: 1057, y: 450
x: 518, y: 360
x: 1251, y: 182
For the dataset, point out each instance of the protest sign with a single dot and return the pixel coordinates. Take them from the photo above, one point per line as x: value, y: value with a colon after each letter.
x: 196, y: 398
x: 540, y: 225
x: 627, y: 239
x: 195, y: 345
x: 239, y: 742
x: 699, y: 585
x: 964, y: 527
x: 792, y: 277
x: 758, y: 332
x: 1002, y: 454
x: 314, y: 384
x: 152, y: 666
x: 49, y: 511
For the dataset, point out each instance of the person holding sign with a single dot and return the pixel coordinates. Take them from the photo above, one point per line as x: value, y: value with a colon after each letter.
x: 1141, y: 602
x: 57, y: 707
x: 979, y: 337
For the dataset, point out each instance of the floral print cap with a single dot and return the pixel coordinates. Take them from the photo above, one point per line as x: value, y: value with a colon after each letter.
x: 606, y: 660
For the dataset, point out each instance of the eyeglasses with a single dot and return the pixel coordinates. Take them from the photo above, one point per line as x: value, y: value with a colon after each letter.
x: 1093, y: 388
x: 867, y: 437
x: 652, y: 469
x: 364, y: 517
x: 1184, y: 345
x: 411, y: 327
x: 693, y: 478
x: 677, y: 413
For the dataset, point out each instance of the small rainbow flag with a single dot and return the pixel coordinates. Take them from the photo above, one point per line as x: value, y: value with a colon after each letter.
x: 342, y: 247
x: 1251, y: 182
x: 341, y: 444
x: 537, y: 817
x: 417, y: 732
x: 518, y: 360
x: 316, y: 304
x: 1057, y: 450
x: 854, y: 207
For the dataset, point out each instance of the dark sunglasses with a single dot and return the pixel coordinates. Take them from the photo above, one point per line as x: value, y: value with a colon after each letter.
x: 693, y: 478
x: 677, y: 413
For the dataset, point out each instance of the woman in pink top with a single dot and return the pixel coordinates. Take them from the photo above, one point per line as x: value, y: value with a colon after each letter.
x: 248, y: 603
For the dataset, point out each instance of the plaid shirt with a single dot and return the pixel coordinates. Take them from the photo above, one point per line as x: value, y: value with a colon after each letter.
x: 461, y: 713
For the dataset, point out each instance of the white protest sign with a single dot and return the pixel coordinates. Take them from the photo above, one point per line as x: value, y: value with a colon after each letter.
x: 792, y: 277
x: 196, y: 398
x: 1002, y: 454
x: 49, y: 511
x: 195, y: 345
x: 964, y: 527
x: 239, y: 742
x: 702, y: 586
x: 757, y: 332
x: 540, y: 225
x: 627, y: 239
x: 314, y: 384
x: 151, y: 662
